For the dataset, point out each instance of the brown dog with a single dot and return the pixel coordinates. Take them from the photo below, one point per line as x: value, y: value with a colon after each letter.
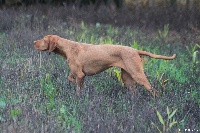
x: 87, y: 59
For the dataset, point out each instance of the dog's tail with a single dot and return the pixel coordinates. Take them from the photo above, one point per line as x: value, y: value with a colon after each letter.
x: 140, y: 52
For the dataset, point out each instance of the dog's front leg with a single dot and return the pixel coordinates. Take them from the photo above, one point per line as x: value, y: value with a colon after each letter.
x: 71, y: 78
x: 77, y: 73
x: 79, y: 82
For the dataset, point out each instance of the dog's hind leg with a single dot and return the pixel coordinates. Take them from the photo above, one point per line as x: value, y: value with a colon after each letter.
x: 128, y: 81
x: 135, y: 69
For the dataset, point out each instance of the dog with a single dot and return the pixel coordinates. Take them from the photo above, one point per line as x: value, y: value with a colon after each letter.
x: 87, y: 59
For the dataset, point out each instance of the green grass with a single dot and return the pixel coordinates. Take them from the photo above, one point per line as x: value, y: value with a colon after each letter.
x: 37, y: 97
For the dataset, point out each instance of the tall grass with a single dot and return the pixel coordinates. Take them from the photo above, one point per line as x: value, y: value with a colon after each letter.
x: 37, y: 97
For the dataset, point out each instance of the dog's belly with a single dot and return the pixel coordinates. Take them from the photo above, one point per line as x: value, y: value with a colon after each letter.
x: 96, y: 66
x: 94, y: 69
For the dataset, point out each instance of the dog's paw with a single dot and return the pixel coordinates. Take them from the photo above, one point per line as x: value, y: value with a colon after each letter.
x: 155, y: 93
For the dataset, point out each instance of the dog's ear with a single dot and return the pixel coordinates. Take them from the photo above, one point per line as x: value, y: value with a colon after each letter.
x: 52, y: 43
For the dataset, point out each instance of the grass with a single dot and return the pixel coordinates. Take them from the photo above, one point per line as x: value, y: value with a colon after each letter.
x: 37, y: 97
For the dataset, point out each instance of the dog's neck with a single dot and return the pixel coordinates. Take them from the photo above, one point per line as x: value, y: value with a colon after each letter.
x: 65, y: 49
x: 60, y: 52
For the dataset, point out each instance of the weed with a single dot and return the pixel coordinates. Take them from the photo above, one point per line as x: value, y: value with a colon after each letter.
x: 192, y: 48
x: 193, y: 52
x: 2, y: 107
x: 68, y: 119
x: 136, y: 45
x: 163, y: 35
x: 108, y: 40
x: 167, y: 123
x: 49, y: 91
x: 14, y: 113
x: 115, y: 72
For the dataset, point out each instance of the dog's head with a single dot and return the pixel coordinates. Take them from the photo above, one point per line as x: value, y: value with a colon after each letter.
x: 49, y: 43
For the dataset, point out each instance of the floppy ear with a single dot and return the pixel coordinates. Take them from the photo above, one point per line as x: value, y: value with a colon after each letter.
x: 52, y: 43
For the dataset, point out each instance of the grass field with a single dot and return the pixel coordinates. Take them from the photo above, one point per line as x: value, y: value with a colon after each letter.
x: 37, y: 97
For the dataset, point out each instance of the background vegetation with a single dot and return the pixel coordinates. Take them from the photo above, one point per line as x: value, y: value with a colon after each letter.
x: 35, y: 95
x: 179, y: 14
